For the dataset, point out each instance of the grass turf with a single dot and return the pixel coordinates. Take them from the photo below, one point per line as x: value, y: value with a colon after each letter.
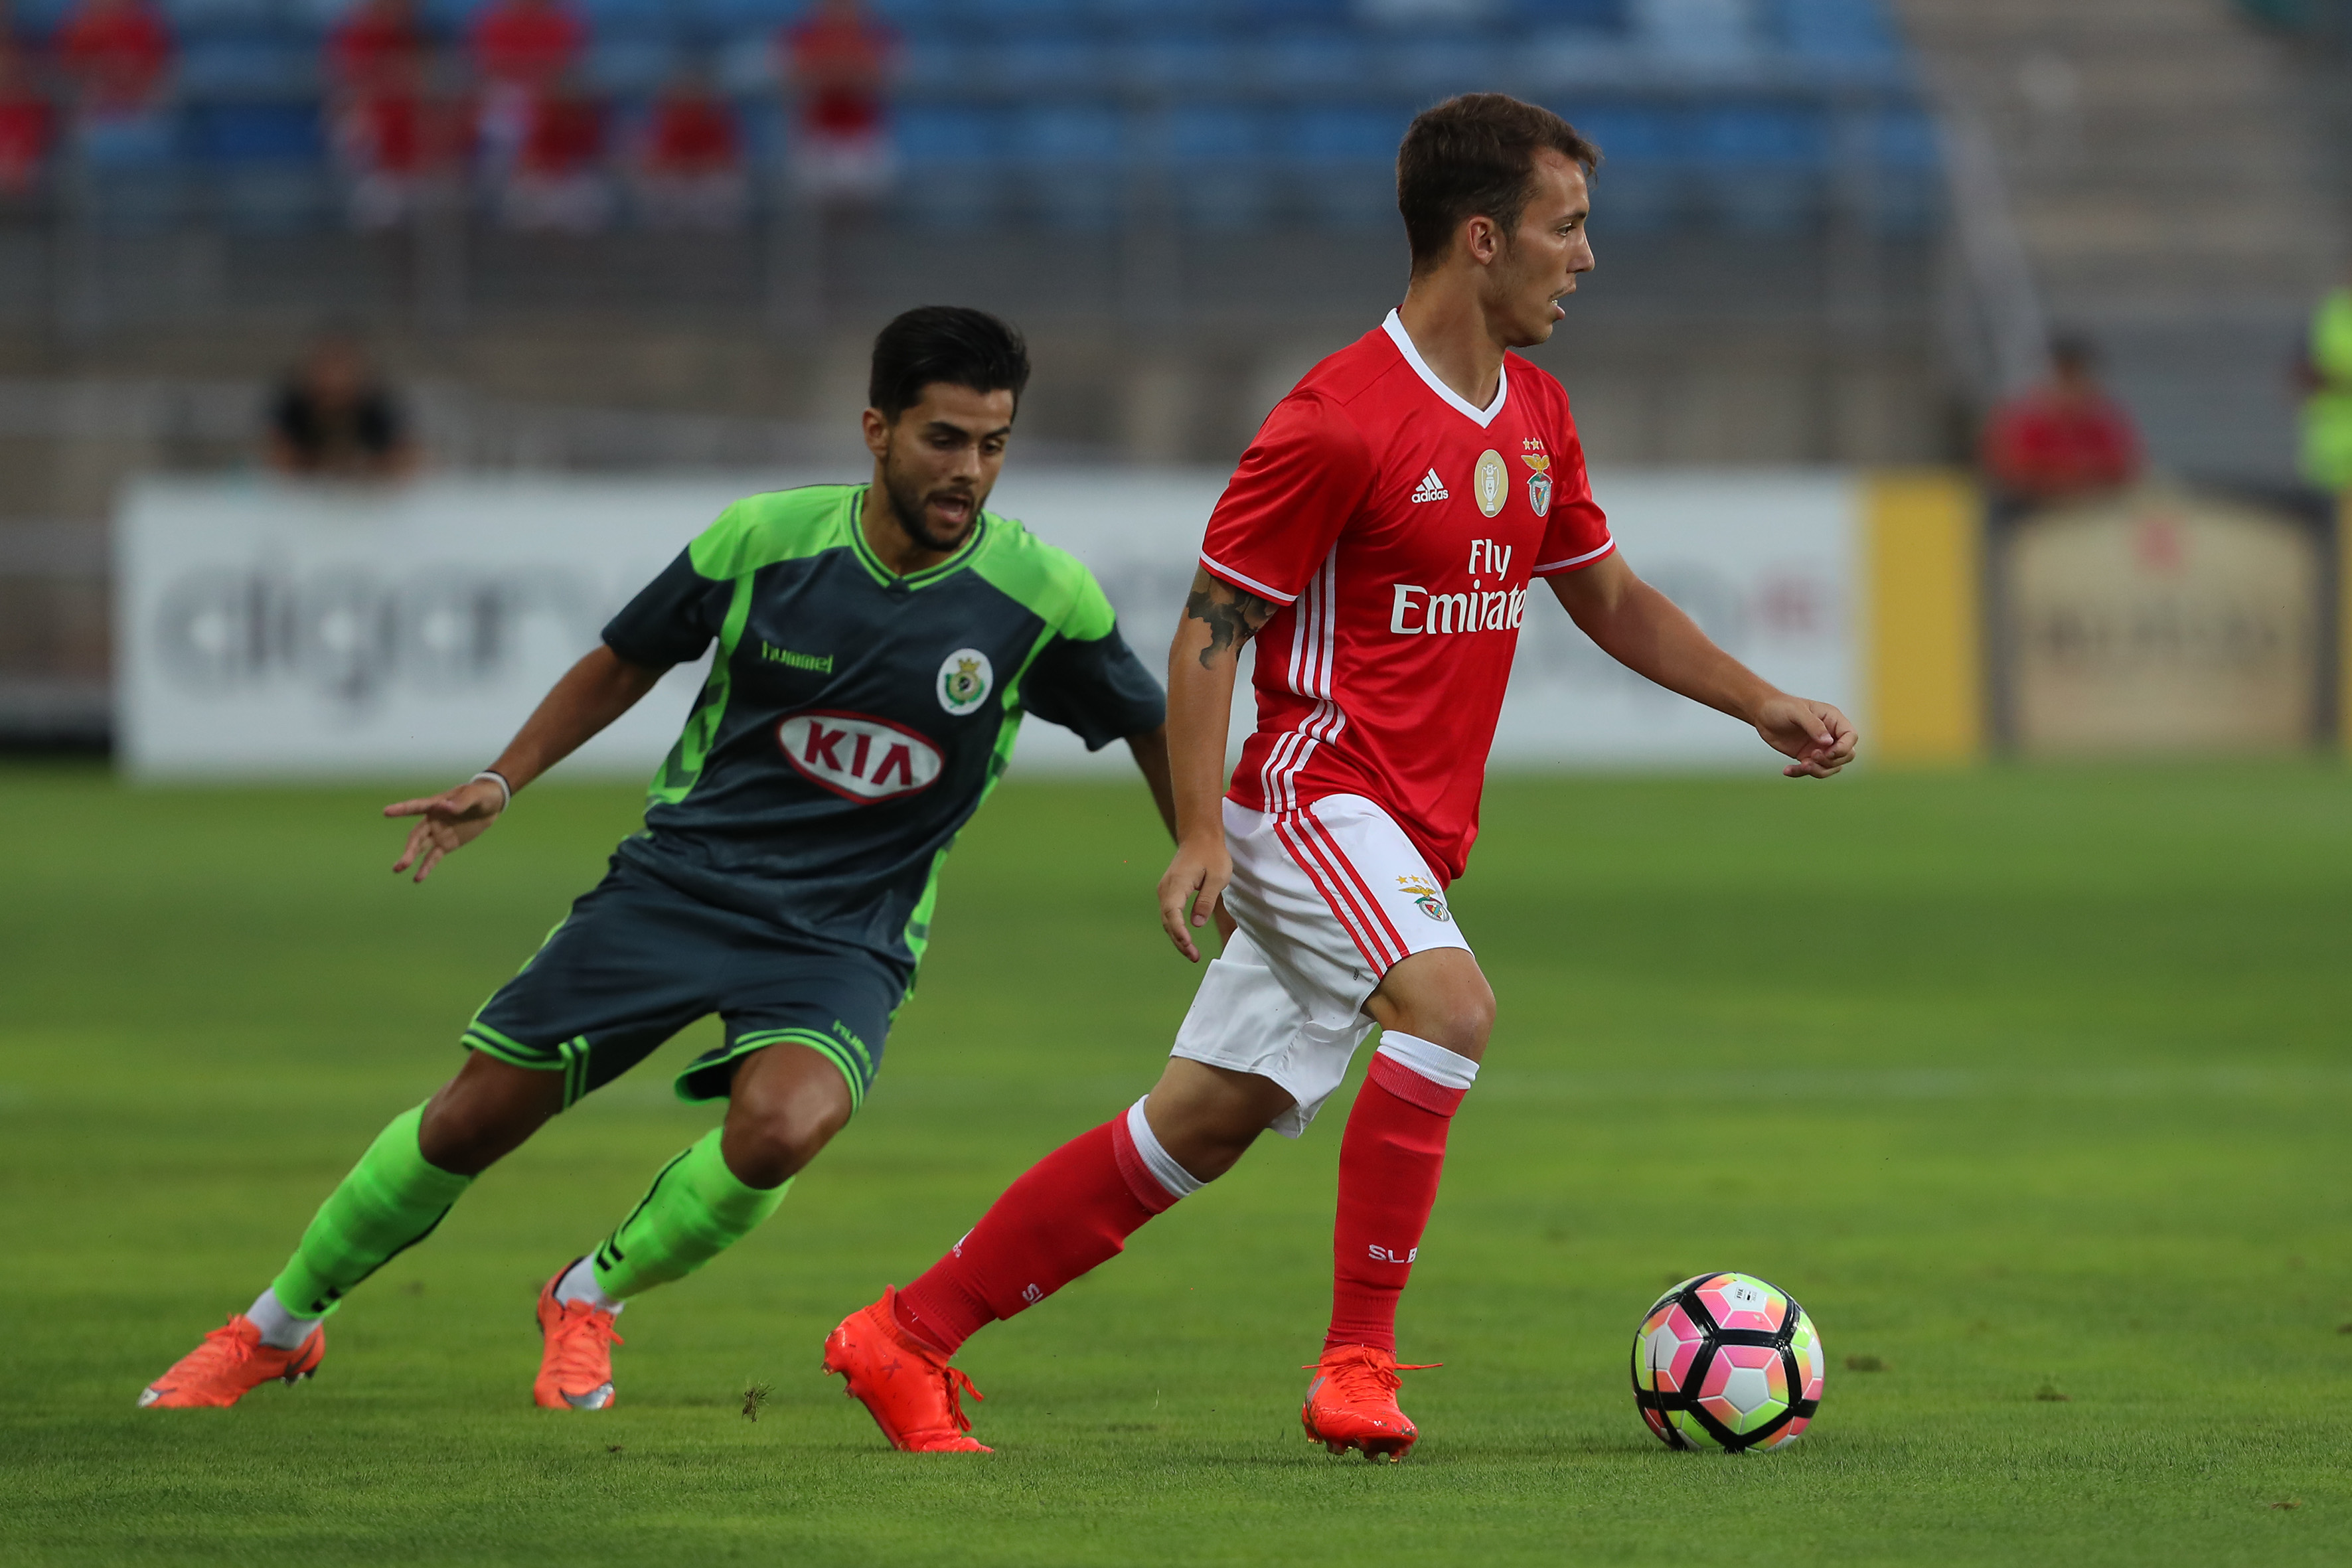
x: 2031, y: 1084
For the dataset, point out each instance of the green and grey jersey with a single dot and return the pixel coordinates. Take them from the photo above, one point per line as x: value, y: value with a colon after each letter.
x: 854, y: 718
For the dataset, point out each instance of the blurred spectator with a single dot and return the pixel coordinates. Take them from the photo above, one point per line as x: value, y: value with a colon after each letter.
x: 116, y: 54
x: 522, y: 50
x: 2066, y: 437
x: 691, y: 167
x: 2327, y: 395
x: 384, y: 125
x: 27, y: 125
x: 332, y: 419
x: 557, y: 178
x: 838, y: 59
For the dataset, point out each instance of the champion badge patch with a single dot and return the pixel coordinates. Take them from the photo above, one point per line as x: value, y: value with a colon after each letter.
x: 964, y: 680
x: 1492, y: 483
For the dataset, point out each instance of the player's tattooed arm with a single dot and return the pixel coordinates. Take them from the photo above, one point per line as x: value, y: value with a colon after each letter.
x: 1232, y: 616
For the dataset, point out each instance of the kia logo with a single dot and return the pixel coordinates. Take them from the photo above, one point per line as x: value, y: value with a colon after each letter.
x: 856, y: 757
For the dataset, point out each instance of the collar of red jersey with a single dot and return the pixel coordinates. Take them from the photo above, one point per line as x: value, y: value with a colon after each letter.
x: 1482, y: 417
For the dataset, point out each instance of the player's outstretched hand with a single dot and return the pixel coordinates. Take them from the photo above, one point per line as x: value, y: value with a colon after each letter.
x: 452, y: 820
x: 1817, y: 735
x: 1191, y: 892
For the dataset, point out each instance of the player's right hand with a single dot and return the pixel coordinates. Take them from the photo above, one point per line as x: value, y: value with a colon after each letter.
x: 1190, y: 892
x: 453, y: 819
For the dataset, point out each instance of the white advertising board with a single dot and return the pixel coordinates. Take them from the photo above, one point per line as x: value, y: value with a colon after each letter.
x: 274, y: 630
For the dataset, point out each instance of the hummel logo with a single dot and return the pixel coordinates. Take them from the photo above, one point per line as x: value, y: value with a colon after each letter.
x: 1431, y: 488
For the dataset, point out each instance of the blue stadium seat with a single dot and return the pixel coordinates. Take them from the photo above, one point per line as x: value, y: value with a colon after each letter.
x: 1177, y: 61
x: 1343, y: 163
x: 247, y: 66
x: 1045, y: 63
x: 1568, y: 16
x: 232, y: 134
x: 1025, y: 14
x: 727, y: 18
x: 1435, y: 65
x: 1765, y: 167
x: 267, y: 164
x: 1217, y: 158
x: 1842, y: 30
x: 745, y: 65
x: 1294, y: 61
x: 1907, y: 186
x: 636, y: 17
x: 1069, y: 156
x: 1334, y: 14
x: 192, y: 17
x: 1644, y: 174
x: 953, y: 157
x: 932, y: 62
x: 630, y: 64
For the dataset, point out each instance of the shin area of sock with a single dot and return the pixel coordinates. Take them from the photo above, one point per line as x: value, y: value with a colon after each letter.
x: 390, y: 1201
x: 1071, y: 1212
x: 695, y: 1210
x: 1391, y: 1159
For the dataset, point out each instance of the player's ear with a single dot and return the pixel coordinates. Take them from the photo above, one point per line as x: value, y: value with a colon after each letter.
x: 877, y: 432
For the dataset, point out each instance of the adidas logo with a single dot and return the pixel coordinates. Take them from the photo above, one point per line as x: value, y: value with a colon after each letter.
x: 1431, y: 487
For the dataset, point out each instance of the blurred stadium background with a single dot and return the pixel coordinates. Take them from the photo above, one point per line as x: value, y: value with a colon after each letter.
x: 1833, y: 235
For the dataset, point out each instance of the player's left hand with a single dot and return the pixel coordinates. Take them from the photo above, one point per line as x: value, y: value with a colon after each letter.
x: 1817, y: 735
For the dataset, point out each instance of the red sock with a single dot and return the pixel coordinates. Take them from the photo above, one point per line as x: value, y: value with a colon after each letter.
x: 1389, y: 1161
x: 1073, y: 1209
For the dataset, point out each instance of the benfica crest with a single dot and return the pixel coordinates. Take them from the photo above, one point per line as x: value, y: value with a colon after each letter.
x: 1425, y: 896
x: 1532, y: 453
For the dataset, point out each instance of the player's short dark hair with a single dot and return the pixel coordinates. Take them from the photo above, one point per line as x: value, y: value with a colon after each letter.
x: 953, y: 343
x: 1475, y: 156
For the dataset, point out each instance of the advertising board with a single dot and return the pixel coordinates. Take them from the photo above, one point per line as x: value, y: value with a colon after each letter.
x: 267, y: 629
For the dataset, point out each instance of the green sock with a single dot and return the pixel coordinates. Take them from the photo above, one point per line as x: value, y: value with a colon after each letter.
x: 390, y: 1202
x: 695, y: 1210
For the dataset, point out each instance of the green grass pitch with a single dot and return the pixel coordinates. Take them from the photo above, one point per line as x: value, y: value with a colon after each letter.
x: 2033, y: 1085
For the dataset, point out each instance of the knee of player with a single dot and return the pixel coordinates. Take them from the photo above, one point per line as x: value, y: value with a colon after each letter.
x: 766, y: 1145
x: 1464, y: 1021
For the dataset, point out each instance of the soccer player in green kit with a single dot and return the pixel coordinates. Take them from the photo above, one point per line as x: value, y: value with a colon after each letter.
x: 878, y: 645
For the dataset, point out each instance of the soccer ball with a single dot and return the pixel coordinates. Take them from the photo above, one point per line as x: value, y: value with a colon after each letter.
x: 1724, y: 1361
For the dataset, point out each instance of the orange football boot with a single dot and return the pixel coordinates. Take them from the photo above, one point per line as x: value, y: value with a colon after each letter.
x: 908, y: 1388
x: 229, y: 1364
x: 575, y: 1369
x: 1352, y: 1403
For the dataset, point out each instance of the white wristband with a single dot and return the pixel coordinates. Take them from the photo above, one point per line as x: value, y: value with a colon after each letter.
x: 506, y: 790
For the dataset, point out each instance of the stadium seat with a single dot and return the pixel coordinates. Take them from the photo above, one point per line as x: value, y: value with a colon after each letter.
x: 1643, y: 178
x: 1842, y: 30
x: 953, y: 157
x: 1575, y: 16
x: 247, y: 65
x: 630, y: 64
x: 1069, y: 158
x: 265, y: 162
x: 1906, y: 185
x: 1313, y: 61
x: 1216, y: 157
x: 1174, y: 61
x: 1045, y: 63
x: 1436, y: 66
x: 1343, y: 162
x: 1764, y: 168
x: 191, y: 17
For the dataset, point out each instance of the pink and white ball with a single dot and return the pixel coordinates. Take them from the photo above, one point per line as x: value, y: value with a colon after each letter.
x: 1727, y: 1362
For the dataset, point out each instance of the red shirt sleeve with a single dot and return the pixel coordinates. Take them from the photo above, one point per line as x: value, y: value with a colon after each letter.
x: 1577, y: 534
x: 1305, y: 475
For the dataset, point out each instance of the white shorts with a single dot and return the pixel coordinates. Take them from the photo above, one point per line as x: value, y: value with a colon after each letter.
x: 1329, y: 899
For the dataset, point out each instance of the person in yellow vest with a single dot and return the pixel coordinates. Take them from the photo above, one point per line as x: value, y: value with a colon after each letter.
x: 2327, y: 395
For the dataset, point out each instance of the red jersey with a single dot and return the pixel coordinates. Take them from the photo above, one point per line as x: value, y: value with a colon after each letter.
x: 2046, y: 445
x: 527, y: 45
x: 1400, y: 530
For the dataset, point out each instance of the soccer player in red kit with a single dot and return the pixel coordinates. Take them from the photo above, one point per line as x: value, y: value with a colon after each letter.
x: 1380, y: 540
